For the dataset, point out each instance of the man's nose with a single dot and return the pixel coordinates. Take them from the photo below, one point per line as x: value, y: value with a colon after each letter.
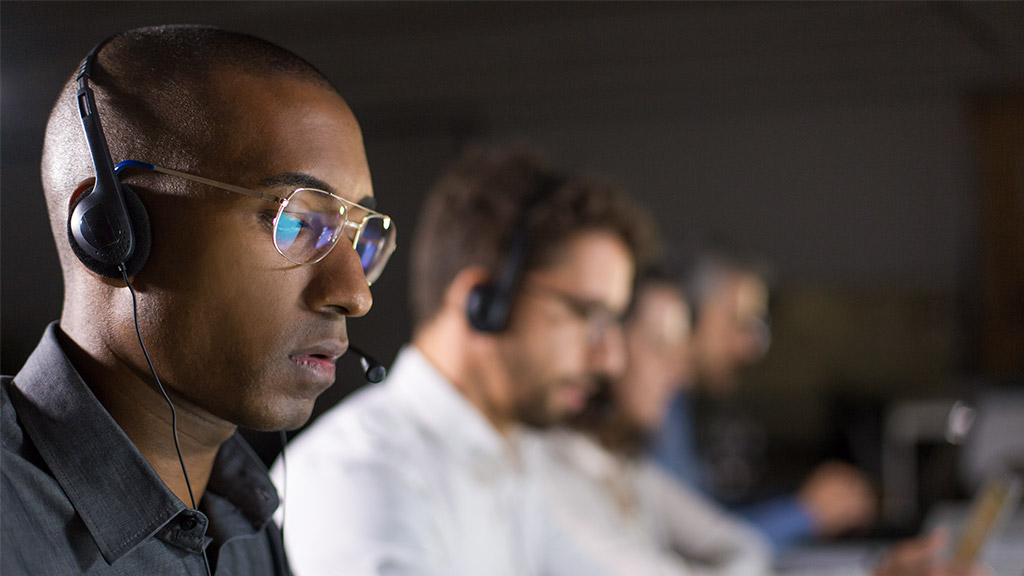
x: 607, y: 355
x: 338, y: 283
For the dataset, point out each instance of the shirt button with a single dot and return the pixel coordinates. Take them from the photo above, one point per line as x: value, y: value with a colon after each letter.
x: 188, y: 523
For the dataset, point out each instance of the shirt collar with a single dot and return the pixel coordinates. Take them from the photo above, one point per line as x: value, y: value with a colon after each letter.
x: 448, y: 415
x: 240, y: 478
x: 123, y: 502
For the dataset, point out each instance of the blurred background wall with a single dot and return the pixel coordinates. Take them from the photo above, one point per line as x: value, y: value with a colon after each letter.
x: 871, y: 151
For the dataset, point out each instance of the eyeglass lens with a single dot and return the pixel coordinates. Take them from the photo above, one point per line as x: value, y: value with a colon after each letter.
x: 307, y: 225
x: 372, y: 240
x: 311, y: 222
x: 597, y: 320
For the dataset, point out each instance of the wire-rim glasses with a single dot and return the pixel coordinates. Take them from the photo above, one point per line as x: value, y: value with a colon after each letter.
x: 309, y: 222
x: 598, y: 319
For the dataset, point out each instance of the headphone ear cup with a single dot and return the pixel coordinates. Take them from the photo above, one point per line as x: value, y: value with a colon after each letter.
x: 140, y: 226
x: 143, y: 236
x: 487, y: 308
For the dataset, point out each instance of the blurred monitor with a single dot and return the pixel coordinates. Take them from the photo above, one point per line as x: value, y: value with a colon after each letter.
x: 996, y: 442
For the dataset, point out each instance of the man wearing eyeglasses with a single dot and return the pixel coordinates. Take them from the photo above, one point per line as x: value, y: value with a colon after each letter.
x: 120, y: 448
x: 730, y: 297
x: 519, y: 279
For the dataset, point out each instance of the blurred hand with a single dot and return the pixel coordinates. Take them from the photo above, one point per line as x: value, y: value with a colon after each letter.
x: 838, y: 498
x: 921, y: 557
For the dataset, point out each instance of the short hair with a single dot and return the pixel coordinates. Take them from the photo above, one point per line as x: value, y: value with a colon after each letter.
x: 472, y: 212
x: 152, y: 87
x: 712, y: 265
x: 659, y: 273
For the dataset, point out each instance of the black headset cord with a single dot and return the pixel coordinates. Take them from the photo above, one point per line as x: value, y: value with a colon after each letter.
x: 174, y: 412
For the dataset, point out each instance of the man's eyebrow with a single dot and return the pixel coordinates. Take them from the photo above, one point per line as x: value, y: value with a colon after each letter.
x: 303, y: 180
x: 296, y: 180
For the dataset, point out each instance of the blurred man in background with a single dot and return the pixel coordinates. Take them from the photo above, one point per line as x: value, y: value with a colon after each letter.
x: 604, y: 486
x: 731, y: 331
x: 520, y: 276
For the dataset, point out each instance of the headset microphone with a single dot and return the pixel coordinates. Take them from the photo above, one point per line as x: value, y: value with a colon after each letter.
x: 372, y: 369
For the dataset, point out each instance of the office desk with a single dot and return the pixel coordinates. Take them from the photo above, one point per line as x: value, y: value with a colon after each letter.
x: 1004, y: 551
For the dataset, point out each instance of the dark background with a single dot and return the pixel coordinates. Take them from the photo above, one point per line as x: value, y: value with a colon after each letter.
x: 842, y: 141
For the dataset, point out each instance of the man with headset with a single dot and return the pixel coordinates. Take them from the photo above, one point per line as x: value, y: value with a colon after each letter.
x: 202, y: 292
x: 519, y: 279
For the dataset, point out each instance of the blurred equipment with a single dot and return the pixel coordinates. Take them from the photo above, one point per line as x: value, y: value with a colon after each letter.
x: 996, y: 442
x: 908, y: 425
x: 991, y: 465
x: 994, y: 506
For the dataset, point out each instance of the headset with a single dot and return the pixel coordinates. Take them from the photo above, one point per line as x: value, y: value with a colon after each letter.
x: 489, y: 304
x: 108, y: 227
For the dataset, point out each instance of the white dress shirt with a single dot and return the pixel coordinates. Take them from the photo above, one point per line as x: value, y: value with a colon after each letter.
x: 408, y: 477
x: 637, y: 520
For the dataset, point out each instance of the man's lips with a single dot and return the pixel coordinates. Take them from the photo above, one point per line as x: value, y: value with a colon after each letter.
x: 575, y: 395
x: 327, y: 351
x: 319, y: 359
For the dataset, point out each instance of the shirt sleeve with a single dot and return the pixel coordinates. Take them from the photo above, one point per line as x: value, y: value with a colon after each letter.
x: 671, y: 533
x: 578, y: 547
x: 574, y: 536
x: 784, y: 521
x: 714, y: 540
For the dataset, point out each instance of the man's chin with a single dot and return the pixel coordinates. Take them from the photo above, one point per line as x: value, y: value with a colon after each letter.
x: 555, y: 409
x: 545, y: 419
x: 292, y: 419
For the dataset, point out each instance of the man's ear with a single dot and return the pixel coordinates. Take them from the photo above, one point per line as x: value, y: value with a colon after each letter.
x: 457, y: 294
x: 457, y: 304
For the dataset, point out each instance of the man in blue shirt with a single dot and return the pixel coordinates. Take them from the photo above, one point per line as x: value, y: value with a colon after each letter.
x: 730, y: 297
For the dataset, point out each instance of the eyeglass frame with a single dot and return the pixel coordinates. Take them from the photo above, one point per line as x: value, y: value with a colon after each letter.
x: 598, y: 318
x: 281, y: 201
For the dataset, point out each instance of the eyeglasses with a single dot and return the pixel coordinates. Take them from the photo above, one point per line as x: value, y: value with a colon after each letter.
x: 598, y: 318
x: 310, y: 221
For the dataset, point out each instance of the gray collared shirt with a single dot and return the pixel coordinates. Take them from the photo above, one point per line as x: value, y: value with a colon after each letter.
x: 79, y: 498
